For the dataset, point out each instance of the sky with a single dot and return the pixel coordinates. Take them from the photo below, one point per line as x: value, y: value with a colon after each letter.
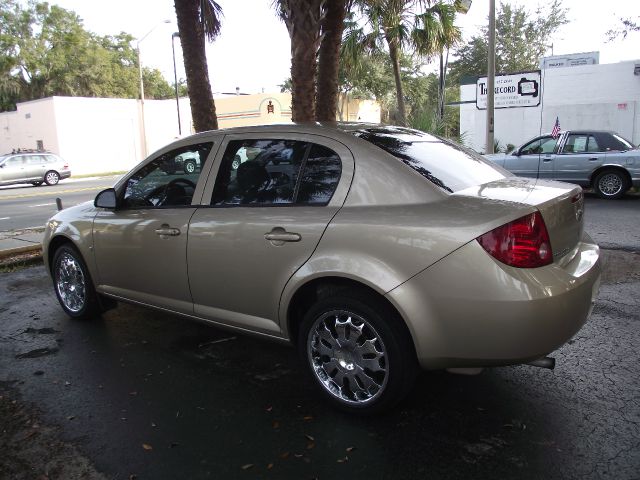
x: 253, y: 49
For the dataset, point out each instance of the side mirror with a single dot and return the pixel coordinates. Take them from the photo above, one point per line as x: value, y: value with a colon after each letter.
x: 106, y: 199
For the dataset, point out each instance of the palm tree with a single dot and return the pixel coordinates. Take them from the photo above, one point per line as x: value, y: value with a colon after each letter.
x: 329, y: 59
x: 421, y: 26
x: 436, y: 32
x: 197, y: 20
x: 303, y: 20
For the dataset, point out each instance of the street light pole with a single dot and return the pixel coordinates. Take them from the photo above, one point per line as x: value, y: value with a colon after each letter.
x: 175, y: 77
x: 491, y: 75
x: 144, y: 130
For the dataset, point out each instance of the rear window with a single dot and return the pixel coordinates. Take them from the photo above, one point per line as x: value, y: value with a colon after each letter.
x: 445, y: 164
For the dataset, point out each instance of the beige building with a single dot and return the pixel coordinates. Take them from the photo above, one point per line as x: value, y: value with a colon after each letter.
x: 97, y: 135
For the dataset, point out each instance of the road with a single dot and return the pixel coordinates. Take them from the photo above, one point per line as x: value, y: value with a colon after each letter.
x: 28, y: 207
x: 614, y: 224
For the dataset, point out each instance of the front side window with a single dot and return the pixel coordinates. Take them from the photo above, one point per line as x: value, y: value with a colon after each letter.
x: 167, y: 181
x: 267, y: 172
x: 15, y: 161
x: 539, y: 146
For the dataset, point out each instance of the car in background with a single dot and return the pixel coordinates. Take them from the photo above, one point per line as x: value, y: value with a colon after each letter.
x: 601, y: 160
x: 373, y: 249
x: 32, y: 167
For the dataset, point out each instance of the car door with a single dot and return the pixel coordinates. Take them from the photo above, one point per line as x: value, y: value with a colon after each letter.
x: 264, y: 219
x: 579, y: 157
x: 36, y: 167
x: 13, y: 170
x: 141, y: 246
x: 531, y: 159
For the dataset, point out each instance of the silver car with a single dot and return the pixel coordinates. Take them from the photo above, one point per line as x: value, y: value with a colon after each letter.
x: 32, y: 167
x: 594, y: 159
x: 375, y: 250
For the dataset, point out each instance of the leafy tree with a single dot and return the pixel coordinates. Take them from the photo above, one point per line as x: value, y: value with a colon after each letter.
x: 45, y: 51
x: 522, y: 39
x: 395, y: 26
x: 627, y: 26
x: 198, y: 20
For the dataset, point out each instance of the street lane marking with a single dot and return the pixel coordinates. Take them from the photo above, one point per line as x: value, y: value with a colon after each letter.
x: 53, y: 192
x: 41, y: 205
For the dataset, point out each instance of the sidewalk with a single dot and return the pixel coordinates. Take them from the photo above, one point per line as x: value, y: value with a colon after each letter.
x: 21, y: 241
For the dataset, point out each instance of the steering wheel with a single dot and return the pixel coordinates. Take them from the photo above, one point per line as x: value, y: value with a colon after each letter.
x: 161, y: 193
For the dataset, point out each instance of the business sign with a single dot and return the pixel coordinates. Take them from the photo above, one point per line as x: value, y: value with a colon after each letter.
x: 572, y: 60
x: 513, y: 90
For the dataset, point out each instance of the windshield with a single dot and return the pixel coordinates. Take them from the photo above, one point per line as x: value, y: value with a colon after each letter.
x: 446, y: 164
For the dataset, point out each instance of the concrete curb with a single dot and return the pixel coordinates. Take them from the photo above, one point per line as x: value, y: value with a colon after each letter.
x: 10, y: 252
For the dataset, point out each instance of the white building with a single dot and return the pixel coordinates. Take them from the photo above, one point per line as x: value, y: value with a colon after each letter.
x: 99, y: 135
x: 599, y: 97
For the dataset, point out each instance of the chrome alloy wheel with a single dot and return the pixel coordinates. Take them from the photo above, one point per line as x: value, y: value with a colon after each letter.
x: 348, y: 357
x: 70, y: 283
x: 610, y: 184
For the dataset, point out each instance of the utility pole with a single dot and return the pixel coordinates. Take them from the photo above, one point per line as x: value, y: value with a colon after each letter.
x: 491, y: 75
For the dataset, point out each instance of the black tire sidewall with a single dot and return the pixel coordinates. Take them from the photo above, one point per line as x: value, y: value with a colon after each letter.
x: 189, y: 163
x: 402, y: 363
x: 90, y: 307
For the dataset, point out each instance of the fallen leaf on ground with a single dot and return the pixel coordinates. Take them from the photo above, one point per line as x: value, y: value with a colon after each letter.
x: 247, y: 466
x: 350, y: 449
x: 307, y: 418
x: 270, y: 466
x: 284, y: 455
x: 310, y: 438
x: 146, y: 446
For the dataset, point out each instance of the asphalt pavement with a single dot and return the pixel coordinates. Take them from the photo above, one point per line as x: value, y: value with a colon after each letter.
x: 25, y: 207
x: 145, y: 395
x: 140, y: 394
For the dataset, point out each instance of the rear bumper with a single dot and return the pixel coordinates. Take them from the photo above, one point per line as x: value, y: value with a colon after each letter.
x: 470, y: 310
x: 65, y: 174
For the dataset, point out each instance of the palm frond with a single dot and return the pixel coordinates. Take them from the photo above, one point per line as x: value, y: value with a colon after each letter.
x: 211, y: 18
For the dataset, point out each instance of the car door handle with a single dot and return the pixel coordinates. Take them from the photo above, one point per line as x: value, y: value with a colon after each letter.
x: 167, y: 231
x: 547, y: 159
x: 278, y: 236
x: 593, y: 159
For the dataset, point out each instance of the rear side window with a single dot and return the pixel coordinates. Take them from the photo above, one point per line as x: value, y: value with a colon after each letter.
x: 445, y: 164
x: 320, y: 178
x: 268, y: 172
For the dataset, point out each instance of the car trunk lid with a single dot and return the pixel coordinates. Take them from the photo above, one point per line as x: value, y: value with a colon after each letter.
x: 561, y: 206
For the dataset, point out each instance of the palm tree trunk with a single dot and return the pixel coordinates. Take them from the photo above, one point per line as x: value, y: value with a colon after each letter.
x: 302, y: 18
x: 329, y: 61
x: 395, y: 61
x: 203, y: 108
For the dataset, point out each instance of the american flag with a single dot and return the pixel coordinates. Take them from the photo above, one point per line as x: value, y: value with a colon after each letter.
x: 555, y: 132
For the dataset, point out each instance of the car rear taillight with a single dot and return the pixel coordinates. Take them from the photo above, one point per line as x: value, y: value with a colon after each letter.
x: 523, y: 243
x: 66, y: 166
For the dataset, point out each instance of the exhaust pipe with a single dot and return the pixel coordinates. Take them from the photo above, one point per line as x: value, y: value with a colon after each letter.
x: 544, y: 362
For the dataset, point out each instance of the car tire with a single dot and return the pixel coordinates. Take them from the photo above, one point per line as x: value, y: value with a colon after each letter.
x: 73, y: 285
x: 36, y: 184
x: 189, y: 166
x: 611, y: 184
x: 358, y: 351
x: 51, y: 177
